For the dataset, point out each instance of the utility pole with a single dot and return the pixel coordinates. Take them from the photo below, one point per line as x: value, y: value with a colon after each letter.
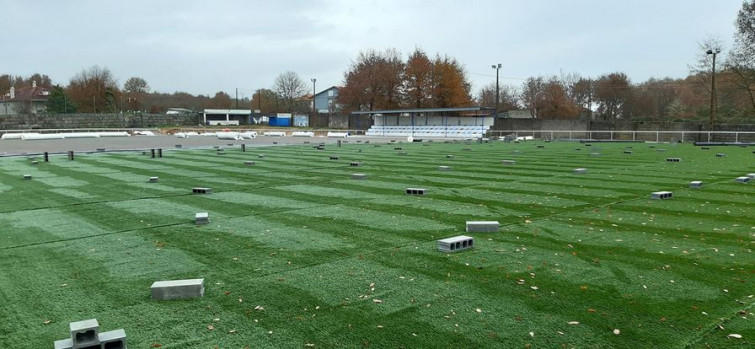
x: 713, y: 52
x: 237, y: 98
x: 497, y: 68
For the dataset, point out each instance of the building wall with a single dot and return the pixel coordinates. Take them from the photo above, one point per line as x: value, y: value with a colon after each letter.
x: 324, y: 101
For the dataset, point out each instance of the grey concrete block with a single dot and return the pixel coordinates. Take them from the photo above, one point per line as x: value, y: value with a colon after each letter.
x: 201, y: 190
x: 696, y: 184
x: 751, y: 175
x: 261, y: 156
x: 628, y: 152
x: 662, y: 195
x: 115, y: 339
x: 27, y: 176
x: 580, y: 170
x: 444, y: 168
x: 743, y: 179
x: 416, y: 191
x: 35, y: 162
x: 358, y: 176
x: 356, y: 163
x: 673, y: 159
x: 249, y: 163
x: 450, y: 157
x: 154, y: 179
x: 177, y: 289
x: 594, y: 154
x: 508, y: 162
x: 455, y: 244
x: 202, y: 218
x: 482, y: 226
x: 84, y: 334
x: 720, y: 155
x: 334, y: 158
x: 64, y: 344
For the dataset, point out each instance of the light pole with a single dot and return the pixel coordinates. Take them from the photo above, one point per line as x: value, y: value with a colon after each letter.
x: 713, y: 88
x: 314, y: 92
x: 497, y: 67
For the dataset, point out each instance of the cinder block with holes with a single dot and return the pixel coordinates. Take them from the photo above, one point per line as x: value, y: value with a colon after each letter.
x: 662, y: 195
x: 673, y: 159
x: 177, y: 289
x: 416, y: 191
x: 720, y: 155
x: 696, y: 184
x: 482, y: 226
x: 456, y: 243
x: 154, y: 179
x: 355, y: 163
x: 334, y: 158
x: 27, y: 176
x: 115, y: 339
x: 201, y: 190
x: 84, y: 334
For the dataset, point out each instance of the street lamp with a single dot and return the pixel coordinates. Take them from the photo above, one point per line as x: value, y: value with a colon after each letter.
x: 497, y: 67
x: 314, y: 92
x: 713, y: 88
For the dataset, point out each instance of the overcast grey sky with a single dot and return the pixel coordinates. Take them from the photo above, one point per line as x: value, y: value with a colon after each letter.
x: 202, y: 47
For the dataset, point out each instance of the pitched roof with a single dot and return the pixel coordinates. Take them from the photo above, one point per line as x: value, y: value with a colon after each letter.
x: 28, y: 93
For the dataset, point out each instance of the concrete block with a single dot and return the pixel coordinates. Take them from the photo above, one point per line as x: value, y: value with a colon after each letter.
x: 64, y: 344
x: 416, y: 191
x: 177, y: 289
x: 154, y: 179
x: 201, y: 190
x: 334, y: 158
x: 444, y: 168
x: 482, y: 226
x: 588, y: 145
x: 202, y: 218
x: 540, y: 146
x: 356, y: 163
x: 35, y: 162
x: 358, y: 176
x: 456, y: 243
x: 628, y: 152
x: 696, y: 184
x: 704, y: 148
x: 662, y: 195
x: 580, y: 170
x: 673, y: 159
x: 743, y: 179
x: 594, y: 154
x: 450, y: 157
x: 27, y: 176
x: 261, y: 156
x: 397, y: 149
x: 249, y: 163
x: 660, y: 150
x: 578, y: 149
x: 179, y: 146
x: 751, y: 175
x: 720, y: 155
x: 115, y: 339
x: 84, y: 334
x: 508, y: 162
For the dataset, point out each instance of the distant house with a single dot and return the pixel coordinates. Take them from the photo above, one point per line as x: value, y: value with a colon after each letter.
x: 326, y: 101
x: 515, y: 114
x: 24, y: 100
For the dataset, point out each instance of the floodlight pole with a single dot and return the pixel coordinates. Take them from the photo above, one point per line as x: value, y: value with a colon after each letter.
x: 314, y: 92
x: 713, y: 52
x: 497, y: 68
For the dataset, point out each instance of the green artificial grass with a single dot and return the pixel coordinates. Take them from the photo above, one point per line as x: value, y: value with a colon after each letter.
x: 297, y: 254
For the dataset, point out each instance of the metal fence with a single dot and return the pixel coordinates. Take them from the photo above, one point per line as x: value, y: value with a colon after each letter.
x: 648, y: 136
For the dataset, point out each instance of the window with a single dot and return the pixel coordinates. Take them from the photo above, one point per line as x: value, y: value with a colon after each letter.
x: 330, y: 93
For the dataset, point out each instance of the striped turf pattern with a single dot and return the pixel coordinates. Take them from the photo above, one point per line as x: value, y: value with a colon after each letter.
x: 297, y: 254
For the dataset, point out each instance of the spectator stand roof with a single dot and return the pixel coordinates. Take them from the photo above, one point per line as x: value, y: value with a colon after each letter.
x: 444, y: 113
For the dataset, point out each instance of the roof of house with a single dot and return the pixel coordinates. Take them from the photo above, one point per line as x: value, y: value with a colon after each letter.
x: 326, y: 90
x: 28, y: 93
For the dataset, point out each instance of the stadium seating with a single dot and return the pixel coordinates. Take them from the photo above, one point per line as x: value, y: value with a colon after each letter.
x: 428, y: 131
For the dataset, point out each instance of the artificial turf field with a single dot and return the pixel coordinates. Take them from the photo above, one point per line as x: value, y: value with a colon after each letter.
x: 297, y: 254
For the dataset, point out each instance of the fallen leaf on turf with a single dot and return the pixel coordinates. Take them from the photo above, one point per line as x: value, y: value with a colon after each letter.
x: 478, y: 310
x: 616, y: 331
x: 63, y: 285
x: 734, y: 335
x: 232, y: 331
x: 47, y: 322
x: 573, y: 322
x: 211, y: 327
x: 532, y: 334
x: 259, y: 307
x: 379, y: 326
x: 377, y: 301
x: 309, y: 345
x: 534, y: 287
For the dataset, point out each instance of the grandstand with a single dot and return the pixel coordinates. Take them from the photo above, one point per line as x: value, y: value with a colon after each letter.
x: 471, y: 122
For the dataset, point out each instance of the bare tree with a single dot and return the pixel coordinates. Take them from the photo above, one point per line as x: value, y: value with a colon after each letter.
x: 290, y: 88
x: 94, y: 90
x: 136, y: 85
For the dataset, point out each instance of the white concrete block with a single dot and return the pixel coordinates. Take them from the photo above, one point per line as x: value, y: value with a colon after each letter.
x: 115, y: 339
x: 696, y: 184
x: 508, y: 162
x: 202, y: 218
x: 358, y: 176
x: 743, y: 179
x: 84, y: 334
x: 416, y: 191
x: 63, y: 344
x: 444, y: 168
x: 580, y: 170
x: 249, y: 163
x: 27, y: 176
x: 456, y: 243
x: 482, y: 226
x: 154, y: 179
x: 661, y: 195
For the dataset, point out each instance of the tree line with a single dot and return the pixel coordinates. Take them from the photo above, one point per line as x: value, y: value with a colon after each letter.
x: 378, y: 80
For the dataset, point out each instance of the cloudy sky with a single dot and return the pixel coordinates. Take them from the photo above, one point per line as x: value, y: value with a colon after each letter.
x: 203, y: 47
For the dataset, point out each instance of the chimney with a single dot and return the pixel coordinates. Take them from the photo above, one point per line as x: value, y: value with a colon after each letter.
x: 34, y: 84
x: 12, y: 92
